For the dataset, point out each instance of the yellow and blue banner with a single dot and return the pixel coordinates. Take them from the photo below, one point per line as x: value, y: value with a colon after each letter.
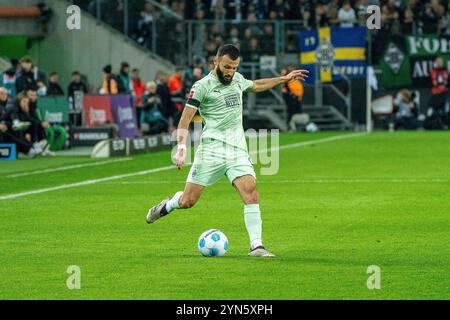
x: 343, y: 50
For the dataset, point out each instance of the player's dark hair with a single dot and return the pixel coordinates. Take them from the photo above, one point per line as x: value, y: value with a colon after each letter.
x: 229, y: 49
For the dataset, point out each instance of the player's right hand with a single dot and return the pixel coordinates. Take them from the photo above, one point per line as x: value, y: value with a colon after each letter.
x: 179, y: 158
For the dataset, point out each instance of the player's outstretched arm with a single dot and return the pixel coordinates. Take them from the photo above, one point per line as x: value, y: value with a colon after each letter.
x: 267, y: 84
x: 182, y: 132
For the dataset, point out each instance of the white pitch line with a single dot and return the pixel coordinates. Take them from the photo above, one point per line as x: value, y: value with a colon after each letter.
x: 298, y: 181
x: 309, y: 142
x: 75, y: 166
x: 84, y: 183
x: 88, y: 182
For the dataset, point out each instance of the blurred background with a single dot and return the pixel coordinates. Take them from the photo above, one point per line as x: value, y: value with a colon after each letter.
x: 392, y: 78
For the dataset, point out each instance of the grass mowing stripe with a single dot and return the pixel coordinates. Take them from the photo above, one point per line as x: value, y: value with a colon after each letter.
x: 76, y: 166
x: 94, y: 181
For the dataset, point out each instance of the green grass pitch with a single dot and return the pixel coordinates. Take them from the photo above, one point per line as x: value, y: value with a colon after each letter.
x: 334, y: 209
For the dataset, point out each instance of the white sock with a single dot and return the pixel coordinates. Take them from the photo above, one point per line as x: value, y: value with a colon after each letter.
x: 253, y: 223
x: 173, y: 204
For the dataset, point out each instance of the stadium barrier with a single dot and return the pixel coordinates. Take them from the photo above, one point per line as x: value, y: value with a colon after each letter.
x: 125, y: 147
x: 88, y: 137
x: 8, y: 152
x: 55, y: 110
x: 111, y: 109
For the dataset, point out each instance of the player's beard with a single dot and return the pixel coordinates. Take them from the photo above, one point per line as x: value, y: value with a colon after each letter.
x: 222, y: 78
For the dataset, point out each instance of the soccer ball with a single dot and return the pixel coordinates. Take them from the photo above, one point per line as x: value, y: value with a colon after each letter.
x: 213, y: 243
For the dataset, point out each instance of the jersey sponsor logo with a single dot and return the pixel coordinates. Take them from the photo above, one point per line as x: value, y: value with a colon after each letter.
x: 232, y: 100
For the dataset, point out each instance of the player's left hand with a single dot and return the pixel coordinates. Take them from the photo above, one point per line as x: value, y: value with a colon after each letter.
x: 300, y: 74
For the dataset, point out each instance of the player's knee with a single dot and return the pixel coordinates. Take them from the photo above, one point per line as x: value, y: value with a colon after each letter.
x: 251, y: 197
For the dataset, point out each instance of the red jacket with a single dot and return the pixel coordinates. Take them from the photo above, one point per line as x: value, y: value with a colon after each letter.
x: 139, y: 90
x: 175, y: 89
x: 439, y: 80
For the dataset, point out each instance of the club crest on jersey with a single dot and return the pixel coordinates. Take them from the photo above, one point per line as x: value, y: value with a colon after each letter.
x: 232, y: 100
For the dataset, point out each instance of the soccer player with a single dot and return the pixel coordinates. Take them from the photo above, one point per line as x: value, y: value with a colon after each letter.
x: 223, y: 148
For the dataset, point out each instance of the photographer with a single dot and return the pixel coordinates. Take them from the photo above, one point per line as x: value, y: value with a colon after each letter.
x: 405, y: 110
x: 11, y: 127
x: 151, y: 116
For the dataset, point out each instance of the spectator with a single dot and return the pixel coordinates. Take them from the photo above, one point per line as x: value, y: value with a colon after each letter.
x: 280, y: 7
x: 332, y: 11
x: 7, y: 132
x: 439, y: 91
x: 211, y: 64
x: 124, y: 79
x: 234, y: 36
x: 390, y: 15
x: 320, y: 18
x: 198, y: 63
x: 162, y: 90
x: 138, y: 91
x: 75, y: 85
x: 145, y: 24
x: 219, y: 14
x: 444, y: 27
x: 407, y: 21
x: 235, y: 10
x: 346, y: 15
x: 54, y: 89
x: 434, y: 11
x: 34, y: 112
x: 109, y: 85
x: 248, y: 34
x: 293, y: 97
x: 267, y: 40
x: 405, y: 110
x: 35, y: 132
x: 210, y: 48
x: 177, y: 94
x: 26, y: 78
x: 252, y: 53
x: 41, y: 89
x: 361, y: 11
x: 251, y: 20
x: 197, y: 74
x: 43, y: 129
x: 9, y: 78
x: 152, y: 119
x: 304, y: 10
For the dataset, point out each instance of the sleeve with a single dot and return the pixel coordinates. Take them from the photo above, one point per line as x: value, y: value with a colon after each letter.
x: 247, y: 84
x: 196, y: 96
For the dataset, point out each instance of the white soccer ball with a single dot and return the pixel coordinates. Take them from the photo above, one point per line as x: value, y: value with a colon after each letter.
x: 213, y: 243
x: 312, y: 127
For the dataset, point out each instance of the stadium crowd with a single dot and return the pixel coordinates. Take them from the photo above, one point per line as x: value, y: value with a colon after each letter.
x: 250, y: 23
